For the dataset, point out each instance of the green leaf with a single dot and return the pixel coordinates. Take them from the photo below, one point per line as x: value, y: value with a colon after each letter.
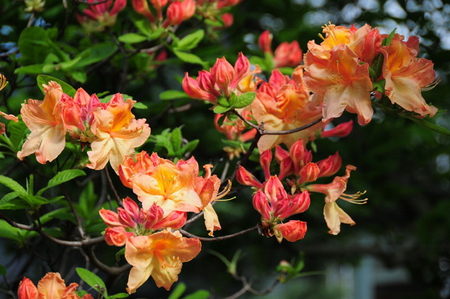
x: 176, y: 139
x: 30, y: 69
x: 190, y: 58
x: 120, y: 253
x: 221, y: 110
x: 17, y: 132
x: 189, y: 147
x: 173, y: 95
x: 140, y: 105
x: 244, y: 100
x: 387, y: 41
x: 118, y: 296
x: 190, y: 41
x: 34, y: 45
x: 95, y: 54
x: 78, y: 76
x: 44, y: 79
x: 2, y: 270
x: 13, y: 185
x: 92, y: 280
x: 132, y: 38
x: 200, y: 294
x: 178, y: 291
x: 11, y: 201
x: 62, y: 177
x: 222, y: 101
x: 428, y: 125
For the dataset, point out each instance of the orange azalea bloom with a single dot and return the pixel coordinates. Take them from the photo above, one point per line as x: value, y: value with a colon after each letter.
x: 48, y: 134
x: 51, y: 286
x: 160, y: 256
x: 156, y: 180
x: 406, y: 75
x: 118, y: 133
x: 284, y: 104
x: 333, y: 214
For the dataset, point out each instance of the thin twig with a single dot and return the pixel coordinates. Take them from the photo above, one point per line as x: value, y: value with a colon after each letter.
x: 111, y: 185
x: 219, y: 238
x: 115, y: 271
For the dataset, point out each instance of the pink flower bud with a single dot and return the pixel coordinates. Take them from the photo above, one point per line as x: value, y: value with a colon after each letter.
x: 265, y: 159
x: 299, y: 155
x: 309, y: 173
x: 285, y: 161
x: 371, y: 46
x: 174, y: 220
x: 222, y: 73
x: 340, y: 130
x: 292, y: 231
x: 193, y: 89
x: 288, y: 54
x: 227, y: 19
x: 261, y: 204
x: 110, y: 218
x: 241, y: 70
x: 116, y: 236
x: 330, y: 165
x: 179, y: 11
x: 265, y: 42
x: 141, y: 7
x: 293, y: 204
x: 27, y: 289
x: 246, y: 178
x: 126, y: 219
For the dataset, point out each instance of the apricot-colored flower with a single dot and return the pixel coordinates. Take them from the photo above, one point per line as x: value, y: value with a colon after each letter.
x: 48, y: 134
x: 51, y: 286
x: 160, y: 256
x: 156, y: 180
x: 284, y: 104
x: 118, y: 133
x: 333, y: 214
x: 406, y: 75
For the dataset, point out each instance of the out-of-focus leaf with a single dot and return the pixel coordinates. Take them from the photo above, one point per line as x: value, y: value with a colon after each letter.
x: 173, y: 95
x: 190, y: 41
x: 92, y: 280
x: 132, y: 38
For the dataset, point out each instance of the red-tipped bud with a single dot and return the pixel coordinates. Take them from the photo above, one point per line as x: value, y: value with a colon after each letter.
x: 222, y: 73
x: 241, y: 70
x: 110, y: 218
x: 177, y: 12
x: 309, y: 173
x: 261, y: 204
x: 372, y: 45
x: 265, y: 159
x: 116, y: 236
x: 293, y: 204
x: 299, y: 155
x: 340, y: 130
x: 174, y: 220
x: 292, y: 231
x: 126, y: 219
x: 131, y: 207
x: 27, y: 289
x: 193, y: 89
x: 246, y: 178
x: 288, y: 54
x: 265, y: 42
x: 330, y: 165
x: 141, y: 7
x: 285, y: 161
x: 227, y: 19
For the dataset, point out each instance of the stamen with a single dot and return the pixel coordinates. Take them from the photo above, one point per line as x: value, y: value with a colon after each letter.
x: 224, y: 191
x: 353, y: 198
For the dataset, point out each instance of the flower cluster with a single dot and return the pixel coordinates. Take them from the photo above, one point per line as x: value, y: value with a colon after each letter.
x: 286, y: 54
x: 167, y: 191
x: 110, y: 129
x: 297, y: 171
x: 50, y: 286
x: 96, y: 17
x: 350, y: 63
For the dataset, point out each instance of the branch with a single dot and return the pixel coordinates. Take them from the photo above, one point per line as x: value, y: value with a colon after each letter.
x: 115, y: 271
x: 219, y: 238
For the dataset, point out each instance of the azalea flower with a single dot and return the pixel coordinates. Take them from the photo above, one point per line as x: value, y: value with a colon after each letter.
x: 117, y: 133
x: 48, y: 133
x: 333, y: 214
x: 160, y: 256
x: 284, y: 104
x: 98, y: 16
x: 50, y: 286
x: 406, y: 75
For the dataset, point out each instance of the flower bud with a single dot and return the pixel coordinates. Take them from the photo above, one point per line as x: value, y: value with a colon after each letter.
x: 288, y: 54
x: 330, y: 165
x: 292, y: 231
x: 116, y: 236
x: 261, y: 204
x: 194, y: 90
x: 265, y: 42
x: 141, y: 7
x: 265, y: 159
x: 340, y: 130
x: 222, y: 73
x: 309, y: 173
x: 246, y: 178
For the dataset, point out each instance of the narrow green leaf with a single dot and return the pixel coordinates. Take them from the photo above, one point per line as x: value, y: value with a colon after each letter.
x: 200, y: 294
x: 118, y: 296
x: 173, y: 95
x: 96, y: 53
x: 387, y: 40
x: 17, y: 132
x: 190, y: 41
x: 30, y: 69
x: 79, y: 76
x: 34, y: 45
x: 428, y: 125
x: 155, y: 34
x: 244, y: 100
x: 189, y: 57
x: 222, y: 101
x: 140, y: 105
x: 92, y: 280
x: 44, y: 79
x: 189, y: 147
x: 62, y: 177
x: 132, y: 38
x: 178, y: 291
x: 220, y: 109
x: 176, y: 139
x: 13, y: 185
x: 11, y: 201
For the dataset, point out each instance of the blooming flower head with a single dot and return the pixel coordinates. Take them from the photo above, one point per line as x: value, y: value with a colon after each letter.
x: 406, y: 75
x: 117, y: 133
x: 283, y: 104
x: 48, y: 133
x: 50, y: 286
x: 160, y: 256
x: 223, y: 79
